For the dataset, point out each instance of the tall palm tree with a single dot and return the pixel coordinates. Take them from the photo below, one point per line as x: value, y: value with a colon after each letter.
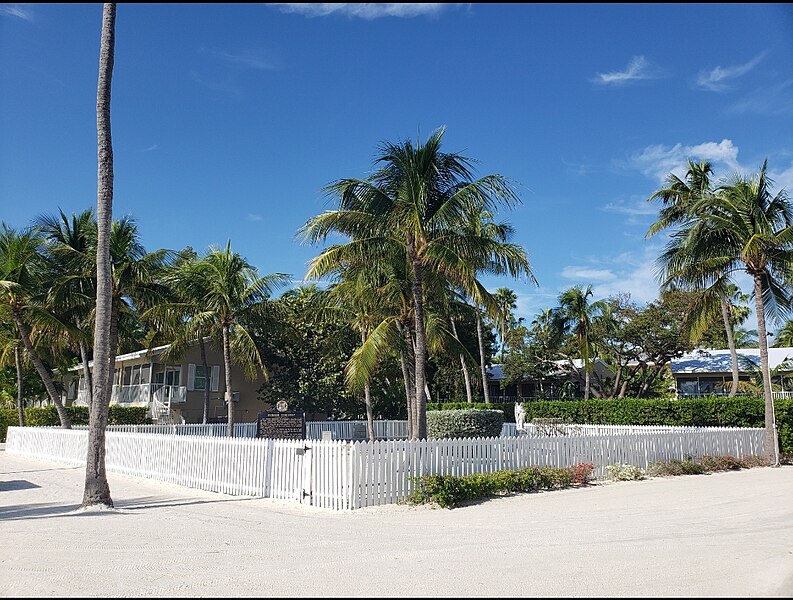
x: 10, y: 344
x: 21, y: 299
x: 71, y: 260
x: 680, y: 198
x: 97, y: 490
x: 742, y: 226
x: 576, y: 314
x: 418, y: 199
x: 506, y: 300
x: 233, y: 298
x: 175, y: 317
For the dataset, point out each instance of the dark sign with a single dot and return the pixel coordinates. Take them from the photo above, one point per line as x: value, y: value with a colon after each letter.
x: 281, y: 425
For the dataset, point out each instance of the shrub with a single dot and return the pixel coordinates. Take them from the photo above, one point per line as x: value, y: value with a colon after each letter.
x: 447, y: 491
x: 464, y: 423
x: 625, y: 472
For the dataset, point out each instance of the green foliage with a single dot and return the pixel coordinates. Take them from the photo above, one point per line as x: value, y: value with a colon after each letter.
x: 706, y: 464
x: 469, y: 423
x: 448, y: 491
x: 625, y: 472
x: 47, y: 416
x: 507, y: 408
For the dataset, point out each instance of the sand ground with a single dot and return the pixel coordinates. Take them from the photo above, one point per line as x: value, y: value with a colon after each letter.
x: 726, y: 534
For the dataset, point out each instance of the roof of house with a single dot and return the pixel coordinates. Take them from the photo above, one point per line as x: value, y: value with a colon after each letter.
x: 496, y: 372
x: 720, y: 361
x: 128, y: 356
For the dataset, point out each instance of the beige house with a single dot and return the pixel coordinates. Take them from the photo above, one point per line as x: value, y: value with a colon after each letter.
x: 174, y: 391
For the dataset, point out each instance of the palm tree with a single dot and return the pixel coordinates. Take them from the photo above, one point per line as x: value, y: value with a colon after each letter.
x: 21, y: 293
x: 11, y: 344
x: 233, y: 298
x: 418, y: 199
x: 506, y: 300
x: 784, y: 336
x: 70, y: 252
x: 680, y: 198
x: 177, y: 318
x: 576, y: 314
x: 726, y: 298
x: 97, y: 490
x: 742, y: 226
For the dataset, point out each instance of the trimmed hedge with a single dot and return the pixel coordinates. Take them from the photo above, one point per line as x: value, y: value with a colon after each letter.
x: 48, y: 416
x: 691, y: 412
x: 449, y: 490
x: 464, y: 423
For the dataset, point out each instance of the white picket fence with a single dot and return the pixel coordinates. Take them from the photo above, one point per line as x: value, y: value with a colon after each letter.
x: 387, y: 430
x: 341, y: 475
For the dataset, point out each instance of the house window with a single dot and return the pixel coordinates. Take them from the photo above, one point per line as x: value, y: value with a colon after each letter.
x: 198, y: 379
x: 201, y: 378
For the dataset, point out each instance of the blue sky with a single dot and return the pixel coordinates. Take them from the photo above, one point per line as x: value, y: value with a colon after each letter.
x: 229, y: 119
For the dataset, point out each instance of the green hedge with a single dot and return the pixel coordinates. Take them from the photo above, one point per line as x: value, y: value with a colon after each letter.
x: 464, y: 423
x: 449, y: 490
x: 48, y: 415
x: 693, y: 412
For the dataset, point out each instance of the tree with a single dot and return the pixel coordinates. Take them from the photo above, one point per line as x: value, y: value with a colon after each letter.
x: 681, y: 199
x: 234, y: 299
x: 21, y: 299
x: 418, y: 199
x: 742, y: 226
x: 97, y: 490
x: 506, y: 300
x: 575, y: 313
x: 784, y: 336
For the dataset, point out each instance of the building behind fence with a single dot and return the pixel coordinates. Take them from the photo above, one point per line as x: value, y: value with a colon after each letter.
x: 345, y: 475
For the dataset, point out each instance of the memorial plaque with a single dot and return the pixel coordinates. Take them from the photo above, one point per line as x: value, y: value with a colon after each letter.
x: 359, y: 432
x: 281, y: 425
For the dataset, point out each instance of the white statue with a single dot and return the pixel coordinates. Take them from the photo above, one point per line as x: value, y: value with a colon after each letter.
x: 520, y: 416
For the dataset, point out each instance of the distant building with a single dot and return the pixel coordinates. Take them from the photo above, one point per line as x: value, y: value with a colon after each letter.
x: 709, y: 372
x: 566, y: 382
x: 173, y: 391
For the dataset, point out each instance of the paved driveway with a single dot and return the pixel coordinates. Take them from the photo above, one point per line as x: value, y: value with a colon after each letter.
x: 727, y: 534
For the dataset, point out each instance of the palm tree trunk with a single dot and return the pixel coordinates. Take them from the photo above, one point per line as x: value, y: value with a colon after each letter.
x: 97, y: 490
x: 421, y: 352
x: 207, y: 378
x: 587, y: 383
x: 770, y: 439
x: 227, y: 365
x: 725, y: 314
x: 408, y: 392
x: 45, y: 376
x: 482, y: 366
x: 469, y: 394
x: 367, y: 398
x: 20, y: 385
x: 89, y: 382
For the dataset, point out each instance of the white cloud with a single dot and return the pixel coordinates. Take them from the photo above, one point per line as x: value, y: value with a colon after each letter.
x: 783, y: 179
x: 250, y: 60
x: 715, y: 80
x: 658, y: 161
x: 587, y: 275
x: 638, y: 68
x: 20, y: 11
x: 254, y: 217
x: 635, y: 207
x: 774, y: 101
x: 151, y: 148
x: 364, y: 10
x: 635, y: 274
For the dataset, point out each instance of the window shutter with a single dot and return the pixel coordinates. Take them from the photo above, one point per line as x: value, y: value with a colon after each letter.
x: 215, y: 377
x: 190, y: 377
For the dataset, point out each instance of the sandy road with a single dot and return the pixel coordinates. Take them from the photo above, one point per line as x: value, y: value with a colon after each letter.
x: 727, y: 534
